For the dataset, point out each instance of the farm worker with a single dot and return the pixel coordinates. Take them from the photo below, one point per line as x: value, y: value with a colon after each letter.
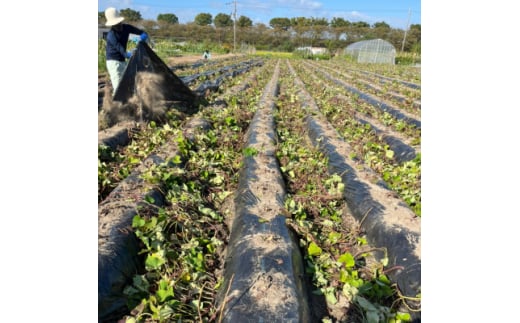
x: 117, y: 39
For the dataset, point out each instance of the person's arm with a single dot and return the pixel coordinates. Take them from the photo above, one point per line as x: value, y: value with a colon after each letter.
x: 137, y: 31
x: 114, y: 47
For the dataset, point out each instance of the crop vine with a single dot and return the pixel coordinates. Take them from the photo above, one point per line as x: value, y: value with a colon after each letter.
x: 404, y: 178
x: 183, y: 241
x: 337, y: 259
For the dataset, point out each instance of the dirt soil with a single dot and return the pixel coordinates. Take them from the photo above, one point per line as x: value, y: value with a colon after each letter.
x: 194, y: 58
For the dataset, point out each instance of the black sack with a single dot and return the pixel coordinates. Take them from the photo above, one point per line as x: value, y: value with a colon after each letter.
x: 144, y: 59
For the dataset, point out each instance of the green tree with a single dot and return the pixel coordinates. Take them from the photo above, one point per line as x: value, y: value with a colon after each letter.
x: 203, y: 19
x: 381, y: 25
x: 300, y: 22
x: 130, y: 15
x: 339, y: 27
x: 168, y: 18
x: 280, y: 23
x: 415, y: 32
x: 381, y: 30
x: 244, y: 21
x: 338, y: 22
x: 395, y: 37
x: 358, y: 30
x: 285, y: 33
x: 101, y: 19
x: 413, y: 39
x: 361, y: 24
x: 318, y: 21
x: 223, y: 20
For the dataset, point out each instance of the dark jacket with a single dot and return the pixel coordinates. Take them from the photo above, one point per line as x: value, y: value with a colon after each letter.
x: 117, y: 41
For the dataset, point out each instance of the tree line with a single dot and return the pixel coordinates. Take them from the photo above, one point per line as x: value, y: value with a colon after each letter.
x: 283, y: 34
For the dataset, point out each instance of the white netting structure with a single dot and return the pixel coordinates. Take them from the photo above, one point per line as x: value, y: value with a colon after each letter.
x: 372, y: 51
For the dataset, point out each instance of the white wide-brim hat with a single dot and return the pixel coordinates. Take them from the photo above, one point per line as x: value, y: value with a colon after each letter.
x: 113, y: 17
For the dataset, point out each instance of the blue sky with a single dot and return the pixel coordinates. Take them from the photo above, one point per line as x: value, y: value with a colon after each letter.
x: 396, y: 13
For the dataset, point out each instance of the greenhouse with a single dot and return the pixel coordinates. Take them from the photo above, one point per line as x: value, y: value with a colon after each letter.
x: 372, y: 51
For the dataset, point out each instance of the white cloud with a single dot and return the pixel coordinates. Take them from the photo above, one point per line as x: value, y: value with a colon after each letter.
x: 301, y: 4
x: 357, y: 14
x: 118, y: 4
x: 311, y: 4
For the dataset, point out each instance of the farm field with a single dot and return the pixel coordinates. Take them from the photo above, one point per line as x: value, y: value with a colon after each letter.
x: 293, y: 193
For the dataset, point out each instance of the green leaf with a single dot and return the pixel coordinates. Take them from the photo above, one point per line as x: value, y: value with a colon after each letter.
x: 141, y: 283
x: 403, y: 316
x: 384, y: 261
x: 334, y: 237
x: 138, y: 222
x: 373, y: 317
x: 153, y: 222
x: 151, y: 303
x: 230, y: 121
x: 209, y: 212
x: 163, y: 284
x: 389, y: 153
x: 347, y: 259
x: 165, y: 312
x: 154, y: 261
x: 133, y: 160
x: 349, y: 291
x: 343, y: 275
x: 176, y: 160
x: 205, y: 210
x: 250, y: 151
x: 365, y: 304
x: 222, y: 195
x: 327, y: 223
x: 217, y: 180
x: 330, y: 297
x: 313, y: 249
x: 163, y: 294
x: 130, y: 290
x: 361, y: 241
x: 383, y: 278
